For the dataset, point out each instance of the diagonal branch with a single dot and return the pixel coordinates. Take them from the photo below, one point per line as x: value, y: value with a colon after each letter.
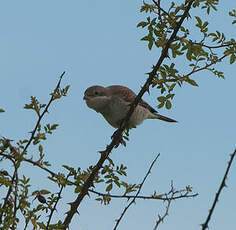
x: 43, y: 113
x: 140, y: 187
x: 116, y: 137
x: 222, y: 185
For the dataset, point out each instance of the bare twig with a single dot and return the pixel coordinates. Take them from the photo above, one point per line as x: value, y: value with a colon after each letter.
x: 222, y: 185
x: 172, y: 193
x: 140, y: 187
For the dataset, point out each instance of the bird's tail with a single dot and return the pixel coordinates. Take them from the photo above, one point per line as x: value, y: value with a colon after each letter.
x: 163, y: 118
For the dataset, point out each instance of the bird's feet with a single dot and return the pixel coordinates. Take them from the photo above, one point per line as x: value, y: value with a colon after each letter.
x: 117, y: 135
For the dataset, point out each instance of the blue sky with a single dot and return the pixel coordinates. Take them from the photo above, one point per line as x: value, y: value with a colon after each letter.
x: 97, y: 42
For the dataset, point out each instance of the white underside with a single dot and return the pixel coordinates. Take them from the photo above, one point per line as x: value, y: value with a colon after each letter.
x: 115, y: 109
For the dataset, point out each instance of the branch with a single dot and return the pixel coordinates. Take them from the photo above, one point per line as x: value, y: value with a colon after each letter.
x: 55, y: 205
x: 116, y: 137
x: 7, y: 196
x: 214, y: 47
x: 222, y: 185
x: 163, y: 197
x: 158, y: 5
x: 169, y: 198
x: 15, y: 196
x: 43, y: 113
x: 140, y: 187
x: 195, y: 70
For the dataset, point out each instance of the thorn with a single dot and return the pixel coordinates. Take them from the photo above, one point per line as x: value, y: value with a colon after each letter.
x: 102, y: 152
x: 70, y: 203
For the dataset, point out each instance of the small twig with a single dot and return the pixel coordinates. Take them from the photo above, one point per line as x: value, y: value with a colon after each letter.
x: 140, y: 187
x: 157, y: 197
x: 15, y: 196
x: 161, y: 218
x: 55, y: 205
x: 195, y: 70
x: 214, y: 47
x: 42, y: 114
x: 222, y: 185
x: 158, y: 5
x: 7, y: 196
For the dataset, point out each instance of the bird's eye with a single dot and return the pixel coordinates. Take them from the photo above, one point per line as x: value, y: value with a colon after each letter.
x: 96, y: 92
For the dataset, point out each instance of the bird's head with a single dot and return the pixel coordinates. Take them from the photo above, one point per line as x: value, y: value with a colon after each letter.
x: 96, y: 97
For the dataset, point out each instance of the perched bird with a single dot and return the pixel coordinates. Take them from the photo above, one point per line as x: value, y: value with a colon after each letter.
x: 113, y: 102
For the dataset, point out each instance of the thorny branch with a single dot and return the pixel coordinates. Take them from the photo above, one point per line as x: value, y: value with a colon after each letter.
x: 222, y: 185
x: 140, y: 187
x: 116, y: 137
x: 169, y: 198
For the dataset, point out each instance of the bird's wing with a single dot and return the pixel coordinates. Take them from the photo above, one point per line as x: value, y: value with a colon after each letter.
x: 128, y: 95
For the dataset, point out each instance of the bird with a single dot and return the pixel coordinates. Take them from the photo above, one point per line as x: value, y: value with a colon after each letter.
x: 113, y: 102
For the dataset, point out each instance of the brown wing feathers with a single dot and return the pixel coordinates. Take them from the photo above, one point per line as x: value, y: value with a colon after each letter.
x: 129, y: 96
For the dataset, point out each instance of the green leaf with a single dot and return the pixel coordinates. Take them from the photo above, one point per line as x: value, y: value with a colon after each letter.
x: 44, y: 192
x: 109, y: 188
x: 2, y: 110
x: 54, y: 126
x: 160, y: 105
x: 191, y: 82
x: 232, y: 58
x: 40, y: 148
x: 199, y: 21
x: 150, y: 44
x: 41, y: 225
x: 142, y: 24
x: 168, y: 104
x: 161, y: 99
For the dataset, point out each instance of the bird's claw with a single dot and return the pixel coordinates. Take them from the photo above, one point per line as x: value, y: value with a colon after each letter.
x: 118, y: 136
